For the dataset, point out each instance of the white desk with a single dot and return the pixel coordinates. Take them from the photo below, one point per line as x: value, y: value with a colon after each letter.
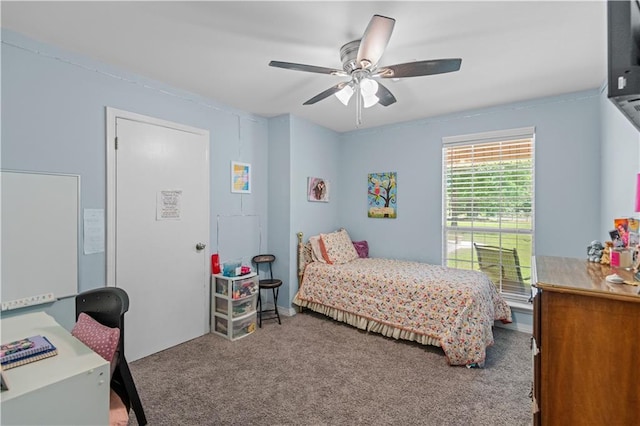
x: 71, y: 388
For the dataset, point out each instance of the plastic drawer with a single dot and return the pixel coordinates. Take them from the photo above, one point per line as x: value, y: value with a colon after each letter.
x: 245, y: 287
x: 243, y: 307
x: 222, y: 286
x: 221, y: 305
x: 238, y: 307
x: 244, y: 327
x: 221, y: 325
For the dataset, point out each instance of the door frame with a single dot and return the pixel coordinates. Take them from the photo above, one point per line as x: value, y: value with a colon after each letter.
x: 112, y: 114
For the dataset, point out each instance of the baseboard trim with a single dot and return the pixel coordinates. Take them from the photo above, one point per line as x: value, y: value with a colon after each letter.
x: 522, y: 328
x: 287, y: 312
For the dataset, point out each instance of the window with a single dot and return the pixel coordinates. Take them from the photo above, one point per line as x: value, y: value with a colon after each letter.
x: 488, y: 207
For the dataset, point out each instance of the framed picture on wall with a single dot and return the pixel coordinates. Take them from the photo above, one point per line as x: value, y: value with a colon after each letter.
x: 317, y: 189
x: 382, y: 195
x: 240, y: 177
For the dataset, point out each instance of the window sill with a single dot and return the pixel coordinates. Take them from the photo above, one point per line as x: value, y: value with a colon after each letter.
x: 519, y: 306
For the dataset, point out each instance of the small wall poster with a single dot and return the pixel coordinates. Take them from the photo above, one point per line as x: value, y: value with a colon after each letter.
x: 240, y: 177
x: 381, y: 193
x: 168, y: 205
x: 93, y: 231
x: 317, y: 189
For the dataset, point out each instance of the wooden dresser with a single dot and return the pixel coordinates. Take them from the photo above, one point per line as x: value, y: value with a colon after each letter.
x: 587, y: 332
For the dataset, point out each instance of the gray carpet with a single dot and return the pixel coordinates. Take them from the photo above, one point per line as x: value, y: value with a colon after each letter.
x: 312, y: 370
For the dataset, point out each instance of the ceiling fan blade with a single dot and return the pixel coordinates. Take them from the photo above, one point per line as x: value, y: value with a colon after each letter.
x: 385, y: 96
x: 375, y: 40
x: 416, y: 69
x: 307, y: 68
x: 330, y: 91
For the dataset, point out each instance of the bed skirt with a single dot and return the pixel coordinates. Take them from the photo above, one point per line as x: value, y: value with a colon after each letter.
x: 367, y: 324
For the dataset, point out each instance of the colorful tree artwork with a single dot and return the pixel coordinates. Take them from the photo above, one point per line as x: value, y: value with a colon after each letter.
x: 381, y: 191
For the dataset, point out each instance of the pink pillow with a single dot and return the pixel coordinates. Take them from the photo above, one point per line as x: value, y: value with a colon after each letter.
x: 101, y: 339
x: 362, y: 247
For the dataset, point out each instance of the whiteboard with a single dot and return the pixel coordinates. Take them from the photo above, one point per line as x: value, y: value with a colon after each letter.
x: 40, y: 214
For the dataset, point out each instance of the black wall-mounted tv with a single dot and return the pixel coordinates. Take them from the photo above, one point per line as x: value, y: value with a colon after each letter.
x: 623, y: 27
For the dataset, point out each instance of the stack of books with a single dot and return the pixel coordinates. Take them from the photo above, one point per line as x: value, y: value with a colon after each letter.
x: 25, y: 351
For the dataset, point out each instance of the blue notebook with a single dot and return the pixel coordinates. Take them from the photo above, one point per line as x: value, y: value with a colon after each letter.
x: 25, y: 349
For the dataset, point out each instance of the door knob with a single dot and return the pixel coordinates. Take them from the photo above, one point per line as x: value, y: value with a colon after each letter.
x: 200, y: 246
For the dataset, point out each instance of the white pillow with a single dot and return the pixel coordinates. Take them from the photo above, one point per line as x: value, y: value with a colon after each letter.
x: 316, y: 251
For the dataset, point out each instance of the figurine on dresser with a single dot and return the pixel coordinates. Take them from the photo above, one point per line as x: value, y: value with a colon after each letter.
x: 595, y: 251
x: 606, y: 253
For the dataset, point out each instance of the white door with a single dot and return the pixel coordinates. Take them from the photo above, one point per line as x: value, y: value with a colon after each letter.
x: 161, y: 231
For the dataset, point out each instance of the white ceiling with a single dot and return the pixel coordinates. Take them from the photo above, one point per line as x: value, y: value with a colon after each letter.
x: 510, y: 50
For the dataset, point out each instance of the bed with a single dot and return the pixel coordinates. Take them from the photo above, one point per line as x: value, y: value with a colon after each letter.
x: 453, y: 309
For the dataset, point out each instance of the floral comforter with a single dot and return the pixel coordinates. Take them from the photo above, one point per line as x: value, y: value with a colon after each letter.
x: 451, y: 308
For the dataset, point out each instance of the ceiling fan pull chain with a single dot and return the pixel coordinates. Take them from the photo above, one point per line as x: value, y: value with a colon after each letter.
x: 358, y: 106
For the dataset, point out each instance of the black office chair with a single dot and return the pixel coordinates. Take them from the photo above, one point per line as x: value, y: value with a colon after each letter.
x: 266, y: 284
x: 107, y: 305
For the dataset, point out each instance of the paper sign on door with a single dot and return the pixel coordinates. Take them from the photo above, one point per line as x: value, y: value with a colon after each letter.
x: 168, y: 205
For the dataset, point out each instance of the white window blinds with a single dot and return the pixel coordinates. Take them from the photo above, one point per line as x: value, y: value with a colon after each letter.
x: 488, y: 206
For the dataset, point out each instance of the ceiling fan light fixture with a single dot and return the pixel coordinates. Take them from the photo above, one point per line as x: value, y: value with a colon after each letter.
x: 369, y: 100
x: 369, y: 89
x: 368, y: 86
x: 345, y: 94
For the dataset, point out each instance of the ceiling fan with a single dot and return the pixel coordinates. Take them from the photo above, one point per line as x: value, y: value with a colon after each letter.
x: 360, y: 63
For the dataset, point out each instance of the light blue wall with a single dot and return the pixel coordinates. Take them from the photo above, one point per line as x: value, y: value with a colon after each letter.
x: 300, y: 149
x: 315, y: 153
x: 620, y: 165
x: 53, y: 116
x: 568, y: 171
x: 567, y: 164
x: 53, y: 119
x: 279, y: 205
x: 587, y: 157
